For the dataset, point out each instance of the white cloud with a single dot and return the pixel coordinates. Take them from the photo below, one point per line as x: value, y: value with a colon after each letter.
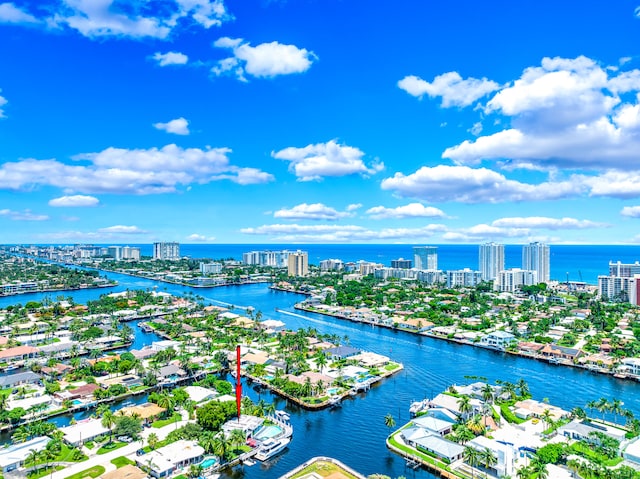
x: 3, y: 102
x: 198, y: 238
x: 476, y: 129
x: 631, y: 211
x: 74, y: 201
x: 122, y: 229
x: 546, y: 223
x: 354, y: 206
x: 106, y: 18
x: 25, y: 215
x: 315, y: 211
x: 137, y: 171
x: 9, y: 13
x: 469, y: 185
x: 170, y: 58
x: 314, y: 162
x: 412, y: 210
x: 566, y: 113
x: 179, y: 126
x: 264, y: 60
x: 337, y: 233
x: 454, y: 90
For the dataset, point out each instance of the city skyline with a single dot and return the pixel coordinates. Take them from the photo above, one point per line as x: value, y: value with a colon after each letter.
x: 247, y: 123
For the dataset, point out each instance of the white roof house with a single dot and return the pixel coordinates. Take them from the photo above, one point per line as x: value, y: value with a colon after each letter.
x: 246, y: 423
x: 200, y: 394
x: 14, y: 456
x: 83, y: 431
x: 165, y: 460
x: 503, y: 453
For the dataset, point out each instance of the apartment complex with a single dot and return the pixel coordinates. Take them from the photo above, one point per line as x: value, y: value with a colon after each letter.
x: 425, y: 257
x: 166, y: 250
x: 298, y: 263
x: 535, y: 257
x: 490, y: 260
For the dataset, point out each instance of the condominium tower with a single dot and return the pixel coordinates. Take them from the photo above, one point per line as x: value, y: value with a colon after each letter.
x: 298, y: 263
x: 491, y: 260
x: 425, y: 257
x: 170, y: 251
x: 535, y: 257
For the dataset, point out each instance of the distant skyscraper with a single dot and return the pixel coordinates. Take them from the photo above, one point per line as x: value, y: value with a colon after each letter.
x: 425, y: 257
x: 170, y: 251
x: 491, y: 260
x: 298, y: 263
x: 535, y: 257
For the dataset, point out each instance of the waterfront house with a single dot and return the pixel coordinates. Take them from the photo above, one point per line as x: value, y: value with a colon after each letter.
x: 14, y: 456
x: 631, y: 366
x: 148, y: 412
x: 559, y: 352
x: 171, y: 372
x: 498, y: 340
x: 531, y: 407
x: 246, y: 423
x: 371, y: 360
x: 84, y: 392
x: 18, y: 353
x: 504, y: 454
x: 430, y: 423
x: 163, y: 462
x: 83, y: 431
x: 13, y: 380
x: 341, y: 352
x: 165, y: 344
x: 56, y: 371
x: 432, y: 443
x: 451, y: 403
x: 580, y: 430
x: 632, y: 452
x: 198, y: 394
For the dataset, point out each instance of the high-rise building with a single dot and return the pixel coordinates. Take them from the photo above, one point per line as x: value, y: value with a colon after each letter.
x: 510, y: 280
x: 129, y: 252
x: 115, y: 252
x: 463, y: 277
x: 401, y: 263
x: 624, y: 270
x: 425, y: 257
x: 491, y: 260
x: 210, y: 268
x: 298, y: 263
x: 331, y: 265
x: 535, y: 257
x: 169, y: 251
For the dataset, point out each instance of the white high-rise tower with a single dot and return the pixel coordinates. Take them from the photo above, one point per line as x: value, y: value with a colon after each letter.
x: 535, y: 257
x: 491, y: 260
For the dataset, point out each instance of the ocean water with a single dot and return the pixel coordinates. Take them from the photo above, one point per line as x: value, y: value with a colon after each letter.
x: 573, y: 262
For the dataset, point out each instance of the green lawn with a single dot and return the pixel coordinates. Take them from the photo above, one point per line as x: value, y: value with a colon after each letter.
x: 111, y: 446
x: 43, y: 472
x: 323, y: 469
x: 163, y: 422
x: 94, y: 471
x: 121, y: 461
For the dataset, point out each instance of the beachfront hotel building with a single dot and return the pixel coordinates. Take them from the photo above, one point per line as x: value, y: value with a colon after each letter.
x: 275, y: 259
x: 298, y: 263
x: 401, y: 263
x: 166, y: 250
x: 490, y: 260
x: 535, y: 257
x: 425, y: 257
x: 463, y: 277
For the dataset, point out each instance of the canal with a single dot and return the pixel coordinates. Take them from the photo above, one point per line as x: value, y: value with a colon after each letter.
x: 355, y: 433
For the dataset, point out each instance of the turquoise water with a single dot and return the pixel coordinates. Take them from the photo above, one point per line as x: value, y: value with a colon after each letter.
x: 332, y: 391
x: 268, y: 432
x: 76, y: 402
x: 208, y: 462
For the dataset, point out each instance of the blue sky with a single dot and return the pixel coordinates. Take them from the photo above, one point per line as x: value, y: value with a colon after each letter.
x: 347, y: 121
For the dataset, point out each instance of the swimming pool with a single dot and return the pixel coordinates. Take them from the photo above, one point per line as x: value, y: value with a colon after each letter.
x: 332, y: 391
x: 208, y: 462
x: 266, y: 432
x: 76, y: 402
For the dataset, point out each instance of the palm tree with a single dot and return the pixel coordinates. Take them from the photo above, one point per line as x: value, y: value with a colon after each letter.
x: 237, y: 438
x: 487, y: 393
x: 32, y: 457
x: 488, y: 458
x: 523, y: 473
x: 464, y: 434
x: 540, y: 469
x: 523, y: 387
x: 195, y: 470
x: 546, y: 418
x: 616, y: 407
x: 152, y: 440
x: 389, y: 421
x: 464, y: 404
x: 108, y: 421
x: 472, y: 457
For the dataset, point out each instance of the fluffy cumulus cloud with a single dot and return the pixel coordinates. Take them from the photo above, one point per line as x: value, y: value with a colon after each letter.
x: 198, y: 238
x: 74, y: 201
x: 122, y: 230
x: 538, y: 222
x: 474, y: 185
x: 266, y: 60
x: 25, y: 215
x: 9, y: 13
x: 104, y: 18
x: 412, y: 210
x: 315, y: 211
x: 631, y: 211
x: 565, y: 113
x: 170, y: 58
x: 135, y: 171
x: 451, y: 87
x: 179, y: 126
x: 341, y: 234
x: 315, y: 162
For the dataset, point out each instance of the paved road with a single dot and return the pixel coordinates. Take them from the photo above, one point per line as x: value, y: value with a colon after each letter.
x: 128, y: 450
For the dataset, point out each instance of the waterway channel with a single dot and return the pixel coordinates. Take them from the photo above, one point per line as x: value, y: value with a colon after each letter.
x: 355, y: 433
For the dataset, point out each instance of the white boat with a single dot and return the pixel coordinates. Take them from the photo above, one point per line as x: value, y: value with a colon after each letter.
x: 334, y: 401
x: 271, y: 447
x: 283, y: 415
x: 417, y: 407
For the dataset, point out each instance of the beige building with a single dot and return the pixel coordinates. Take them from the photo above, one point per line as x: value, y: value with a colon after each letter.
x: 298, y: 263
